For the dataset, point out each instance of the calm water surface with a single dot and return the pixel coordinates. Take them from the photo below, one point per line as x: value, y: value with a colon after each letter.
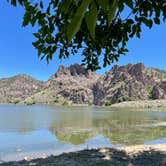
x: 39, y: 130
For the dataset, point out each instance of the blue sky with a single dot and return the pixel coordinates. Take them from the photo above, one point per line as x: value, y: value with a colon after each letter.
x: 18, y: 56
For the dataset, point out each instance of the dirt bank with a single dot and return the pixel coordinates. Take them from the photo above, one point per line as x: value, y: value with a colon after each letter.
x: 142, y: 155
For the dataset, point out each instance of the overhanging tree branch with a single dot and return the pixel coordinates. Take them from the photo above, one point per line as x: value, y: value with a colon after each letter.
x: 96, y: 26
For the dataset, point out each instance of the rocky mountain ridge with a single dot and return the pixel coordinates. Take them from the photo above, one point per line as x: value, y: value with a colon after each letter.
x: 75, y: 85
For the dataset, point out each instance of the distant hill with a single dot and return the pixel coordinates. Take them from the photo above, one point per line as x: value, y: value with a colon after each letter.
x: 75, y: 85
x: 18, y: 88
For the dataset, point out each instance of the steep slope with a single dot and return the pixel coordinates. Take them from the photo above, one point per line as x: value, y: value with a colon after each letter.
x: 130, y: 82
x: 70, y: 85
x: 17, y: 88
x: 74, y: 83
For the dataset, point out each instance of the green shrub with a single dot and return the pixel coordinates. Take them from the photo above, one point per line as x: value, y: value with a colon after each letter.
x: 15, y: 101
x: 65, y: 103
x: 126, y: 98
x: 56, y: 100
x: 108, y: 103
x: 30, y: 102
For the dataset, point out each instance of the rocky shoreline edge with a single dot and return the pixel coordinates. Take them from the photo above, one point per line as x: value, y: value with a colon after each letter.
x: 144, y: 155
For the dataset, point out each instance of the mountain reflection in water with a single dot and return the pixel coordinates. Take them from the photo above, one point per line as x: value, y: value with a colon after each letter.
x: 42, y: 127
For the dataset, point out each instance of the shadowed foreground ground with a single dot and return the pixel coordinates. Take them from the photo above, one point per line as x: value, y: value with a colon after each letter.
x: 129, y: 156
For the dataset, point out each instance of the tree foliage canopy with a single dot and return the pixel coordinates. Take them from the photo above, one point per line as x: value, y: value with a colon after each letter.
x: 100, y: 28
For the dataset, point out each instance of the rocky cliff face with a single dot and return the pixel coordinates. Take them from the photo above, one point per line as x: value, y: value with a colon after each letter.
x: 75, y: 70
x: 130, y: 82
x: 159, y: 91
x: 75, y: 85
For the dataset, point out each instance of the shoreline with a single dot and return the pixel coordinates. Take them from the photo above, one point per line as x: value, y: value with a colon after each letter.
x: 143, y: 104
x: 147, y: 105
x: 134, y: 155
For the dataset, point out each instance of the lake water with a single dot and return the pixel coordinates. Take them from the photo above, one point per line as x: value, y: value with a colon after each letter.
x: 43, y: 130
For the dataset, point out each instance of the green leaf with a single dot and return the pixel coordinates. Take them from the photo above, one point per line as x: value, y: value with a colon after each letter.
x: 41, y: 4
x: 64, y: 6
x: 147, y: 22
x: 26, y: 19
x: 76, y: 2
x: 121, y: 6
x: 112, y: 11
x: 37, y: 35
x: 129, y: 3
x: 75, y: 24
x: 104, y: 4
x: 21, y: 2
x: 91, y: 19
x: 13, y: 2
x: 157, y: 20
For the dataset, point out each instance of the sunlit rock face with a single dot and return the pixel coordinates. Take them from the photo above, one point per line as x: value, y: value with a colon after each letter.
x: 75, y: 70
x: 76, y: 85
x: 73, y: 84
x: 121, y: 83
x: 130, y: 82
x: 18, y: 88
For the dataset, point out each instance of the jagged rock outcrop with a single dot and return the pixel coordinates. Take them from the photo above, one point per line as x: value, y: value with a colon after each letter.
x: 72, y: 85
x: 125, y: 83
x: 75, y: 85
x: 75, y: 70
